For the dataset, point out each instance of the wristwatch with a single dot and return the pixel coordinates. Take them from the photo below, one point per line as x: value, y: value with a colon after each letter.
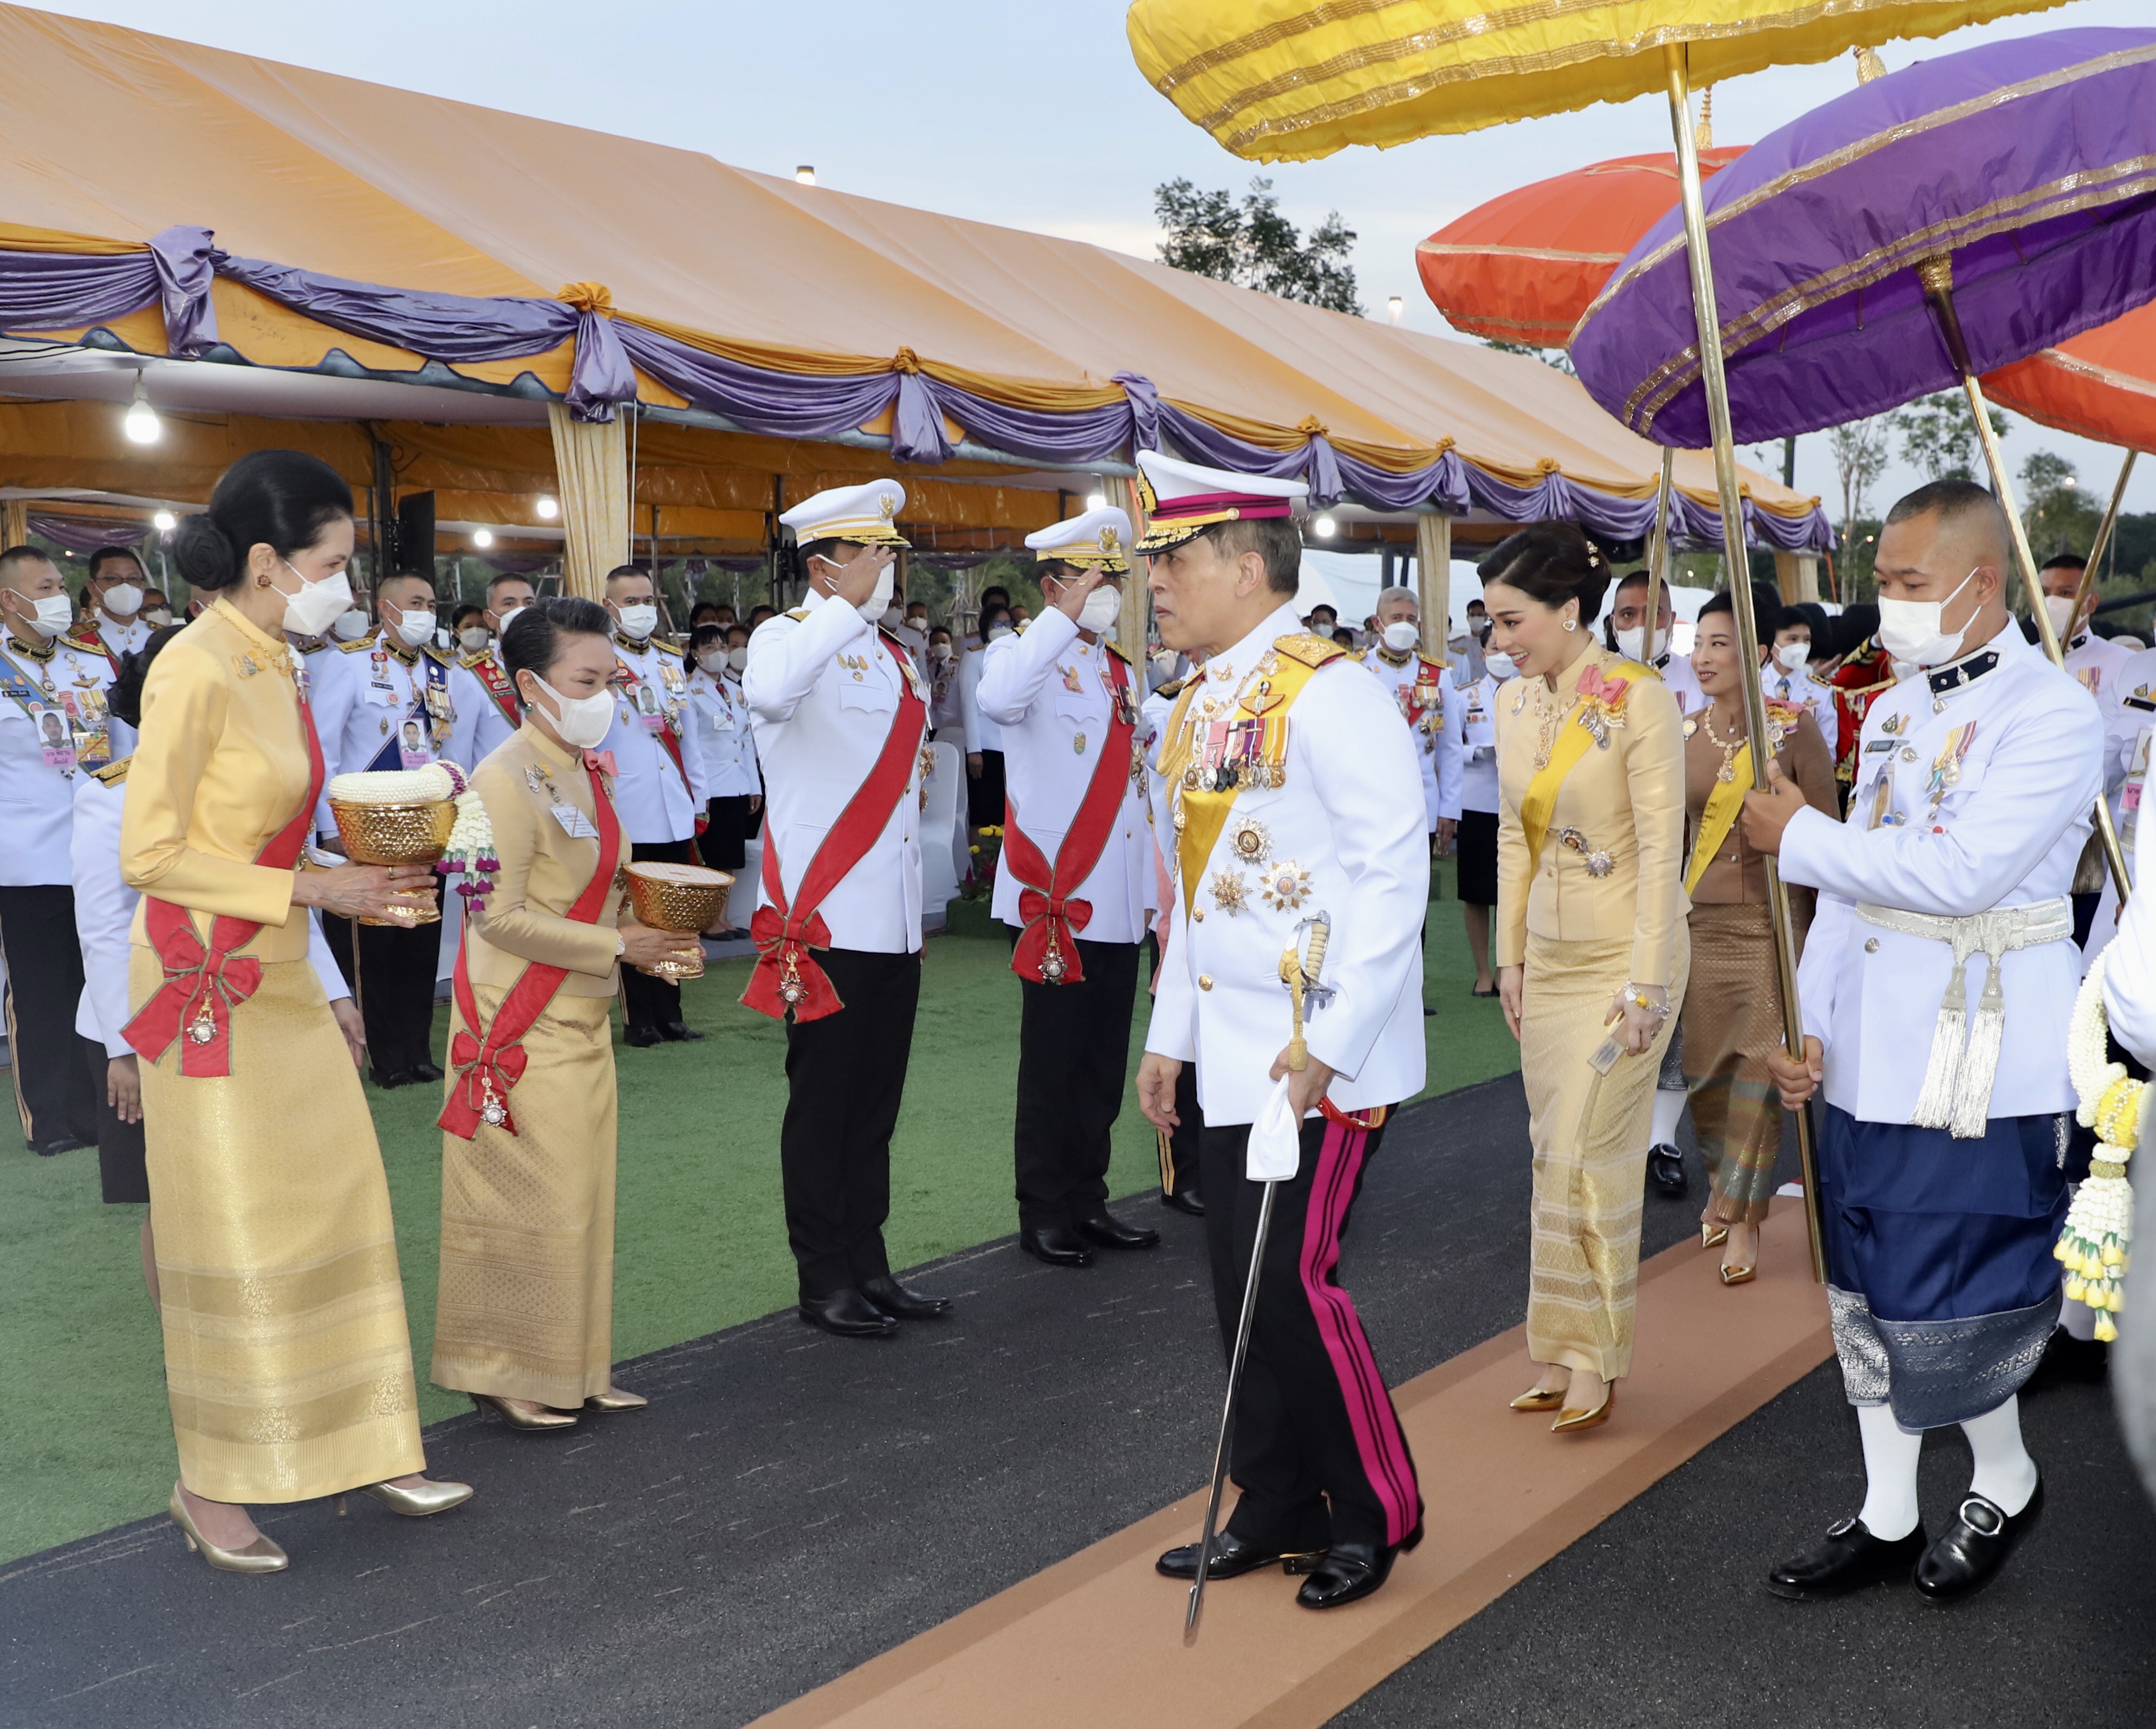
x: 620, y: 945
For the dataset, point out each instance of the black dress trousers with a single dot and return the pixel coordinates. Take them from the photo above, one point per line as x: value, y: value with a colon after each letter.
x: 391, y: 972
x: 845, y: 1076
x: 1179, y: 1150
x: 1318, y: 1451
x: 1074, y: 1057
x: 646, y: 1001
x: 59, y: 1075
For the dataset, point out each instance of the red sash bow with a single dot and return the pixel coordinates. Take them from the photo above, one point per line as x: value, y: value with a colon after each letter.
x: 1047, y: 951
x: 787, y: 977
x: 489, y: 1061
x: 204, y: 983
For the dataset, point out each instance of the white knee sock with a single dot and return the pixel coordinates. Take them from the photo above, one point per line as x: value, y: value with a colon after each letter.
x: 1889, y: 1512
x: 2004, y: 1472
x: 1669, y: 1107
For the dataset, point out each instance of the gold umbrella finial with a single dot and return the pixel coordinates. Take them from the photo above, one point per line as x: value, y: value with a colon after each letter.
x: 1869, y: 66
x: 1702, y: 135
x: 1936, y: 273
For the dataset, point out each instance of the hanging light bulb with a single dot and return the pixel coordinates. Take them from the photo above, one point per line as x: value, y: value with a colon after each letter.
x: 141, y: 422
x: 805, y: 174
x: 164, y: 522
x: 548, y: 510
x: 1326, y: 528
x: 1394, y: 308
x: 482, y: 538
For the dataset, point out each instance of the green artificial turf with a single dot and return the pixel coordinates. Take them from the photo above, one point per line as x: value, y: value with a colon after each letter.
x: 701, y: 1240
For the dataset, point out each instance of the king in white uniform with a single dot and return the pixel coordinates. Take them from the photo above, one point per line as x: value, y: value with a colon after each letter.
x: 1074, y: 883
x: 1938, y: 981
x: 1296, y: 808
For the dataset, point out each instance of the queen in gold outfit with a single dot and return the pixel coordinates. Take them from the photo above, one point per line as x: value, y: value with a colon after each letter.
x: 286, y: 1357
x: 524, y: 1321
x: 1591, y: 946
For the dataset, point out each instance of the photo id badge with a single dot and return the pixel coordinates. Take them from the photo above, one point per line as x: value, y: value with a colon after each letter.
x: 412, y: 746
x: 54, y: 742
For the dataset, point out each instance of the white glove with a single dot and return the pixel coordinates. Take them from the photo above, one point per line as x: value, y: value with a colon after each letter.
x: 1275, y: 1148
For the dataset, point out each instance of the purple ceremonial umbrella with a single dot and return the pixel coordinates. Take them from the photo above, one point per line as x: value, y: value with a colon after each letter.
x: 2031, y: 164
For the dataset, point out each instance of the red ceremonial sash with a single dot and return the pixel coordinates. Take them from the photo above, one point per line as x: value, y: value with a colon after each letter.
x: 489, y: 1060
x: 786, y: 975
x: 203, y: 985
x: 487, y: 670
x: 1047, y: 951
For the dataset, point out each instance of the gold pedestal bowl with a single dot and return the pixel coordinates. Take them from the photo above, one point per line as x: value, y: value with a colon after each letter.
x: 397, y: 834
x: 675, y: 897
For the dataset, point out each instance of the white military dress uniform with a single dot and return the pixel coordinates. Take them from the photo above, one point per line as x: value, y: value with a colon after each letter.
x: 827, y: 693
x: 1326, y: 822
x: 481, y: 722
x: 1431, y: 707
x: 118, y: 638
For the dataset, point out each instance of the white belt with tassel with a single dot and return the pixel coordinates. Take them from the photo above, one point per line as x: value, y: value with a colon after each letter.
x: 1956, y: 1091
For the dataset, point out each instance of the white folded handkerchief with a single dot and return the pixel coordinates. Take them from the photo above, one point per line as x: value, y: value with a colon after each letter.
x: 1274, y: 1150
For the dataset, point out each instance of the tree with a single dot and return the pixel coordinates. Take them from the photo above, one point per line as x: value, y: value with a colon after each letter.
x: 2059, y: 517
x: 1860, y: 458
x: 1252, y: 244
x: 1938, y: 435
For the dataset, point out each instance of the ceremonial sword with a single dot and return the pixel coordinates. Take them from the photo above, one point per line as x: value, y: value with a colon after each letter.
x: 1300, y: 977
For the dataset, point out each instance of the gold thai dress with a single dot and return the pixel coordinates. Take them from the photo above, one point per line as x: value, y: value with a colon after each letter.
x: 1733, y: 1007
x: 524, y: 1309
x: 1589, y: 897
x: 287, y: 1359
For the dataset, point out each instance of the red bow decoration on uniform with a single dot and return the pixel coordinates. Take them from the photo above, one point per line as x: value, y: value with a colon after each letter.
x: 1595, y: 687
x: 203, y: 983
x: 603, y: 760
x: 1052, y: 923
x: 786, y: 976
x: 483, y: 1073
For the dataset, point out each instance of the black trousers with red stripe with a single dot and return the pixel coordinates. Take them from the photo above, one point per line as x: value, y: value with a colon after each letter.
x: 1318, y: 1453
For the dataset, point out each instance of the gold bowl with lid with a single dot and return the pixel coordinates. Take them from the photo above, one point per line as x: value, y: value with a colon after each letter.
x: 406, y: 834
x: 675, y: 897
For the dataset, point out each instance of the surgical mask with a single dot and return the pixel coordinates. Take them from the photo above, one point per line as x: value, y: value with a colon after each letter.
x: 52, y: 615
x: 1909, y: 630
x: 414, y: 627
x: 1632, y: 643
x: 316, y: 607
x: 501, y: 620
x: 1102, y: 608
x: 158, y: 617
x: 584, y: 721
x: 1482, y: 628
x: 639, y: 622
x: 350, y: 626
x: 736, y: 659
x: 123, y: 600
x: 939, y: 651
x: 998, y: 632
x: 1793, y: 656
x: 892, y: 618
x: 879, y: 603
x: 918, y: 621
x: 1401, y: 635
x: 713, y: 661
x: 2062, y: 609
x: 473, y: 638
x: 1499, y: 666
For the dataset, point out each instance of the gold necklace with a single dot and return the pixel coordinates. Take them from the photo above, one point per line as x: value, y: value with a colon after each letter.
x: 1552, y: 719
x: 1729, y: 747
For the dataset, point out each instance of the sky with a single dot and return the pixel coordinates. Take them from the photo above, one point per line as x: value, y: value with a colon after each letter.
x: 1032, y: 116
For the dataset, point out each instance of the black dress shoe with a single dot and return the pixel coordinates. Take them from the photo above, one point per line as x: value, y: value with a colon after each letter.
x: 1665, y: 1170
x: 58, y: 1144
x: 1974, y: 1547
x: 899, y: 1303
x: 849, y: 1314
x: 678, y: 1032
x: 1111, y: 1232
x: 643, y: 1037
x: 1187, y: 1200
x: 1850, y: 1559
x: 1058, y: 1245
x: 1232, y: 1558
x: 395, y: 1078
x: 426, y: 1072
x: 1350, y: 1571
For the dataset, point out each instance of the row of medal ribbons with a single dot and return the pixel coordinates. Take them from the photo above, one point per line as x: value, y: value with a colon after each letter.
x: 1251, y: 752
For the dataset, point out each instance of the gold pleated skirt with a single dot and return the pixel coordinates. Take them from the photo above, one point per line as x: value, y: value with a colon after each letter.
x: 287, y: 1359
x: 524, y: 1309
x: 1733, y: 1022
x: 1589, y: 1132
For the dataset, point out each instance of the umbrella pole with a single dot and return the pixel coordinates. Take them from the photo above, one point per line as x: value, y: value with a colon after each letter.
x: 1706, y: 318
x: 2102, y: 540
x: 1658, y: 547
x: 1936, y: 276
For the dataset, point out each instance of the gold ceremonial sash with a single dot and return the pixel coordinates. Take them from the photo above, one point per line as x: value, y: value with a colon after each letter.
x: 1574, y: 738
x: 1722, y: 805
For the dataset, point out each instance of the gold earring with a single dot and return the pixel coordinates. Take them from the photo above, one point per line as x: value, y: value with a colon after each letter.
x: 261, y: 582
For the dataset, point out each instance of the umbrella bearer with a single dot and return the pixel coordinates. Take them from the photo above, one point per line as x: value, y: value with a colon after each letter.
x: 1077, y: 881
x: 1295, y: 797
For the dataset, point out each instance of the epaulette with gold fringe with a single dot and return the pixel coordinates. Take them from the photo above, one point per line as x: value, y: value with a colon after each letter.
x: 114, y: 772
x: 1309, y: 649
x: 359, y: 644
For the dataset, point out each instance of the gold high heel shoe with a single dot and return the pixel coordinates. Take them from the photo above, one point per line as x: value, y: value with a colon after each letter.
x: 1739, y: 1275
x: 1571, y: 1423
x: 614, y: 1399
x: 529, y: 1421
x: 1539, y: 1398
x: 1712, y: 1236
x: 259, y: 1557
x: 414, y: 1503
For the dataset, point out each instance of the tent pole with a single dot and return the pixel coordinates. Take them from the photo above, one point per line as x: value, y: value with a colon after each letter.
x: 1658, y: 547
x: 1706, y: 320
x: 1937, y: 275
x: 2101, y: 543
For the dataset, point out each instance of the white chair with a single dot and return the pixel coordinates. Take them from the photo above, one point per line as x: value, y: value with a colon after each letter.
x: 942, y: 833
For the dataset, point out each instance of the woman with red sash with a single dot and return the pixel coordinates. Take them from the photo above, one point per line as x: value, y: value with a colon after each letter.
x: 286, y: 1355
x: 524, y: 1317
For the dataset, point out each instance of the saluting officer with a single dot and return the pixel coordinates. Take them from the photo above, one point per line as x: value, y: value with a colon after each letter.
x: 53, y: 728
x: 1427, y: 701
x: 659, y: 777
x: 1297, y: 810
x: 480, y: 691
x: 841, y: 712
x: 1074, y: 883
x: 382, y: 702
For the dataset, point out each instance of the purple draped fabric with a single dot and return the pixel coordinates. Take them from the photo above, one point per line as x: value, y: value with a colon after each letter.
x: 2029, y: 159
x: 58, y: 291
x: 186, y: 260
x: 84, y: 534
x: 779, y: 405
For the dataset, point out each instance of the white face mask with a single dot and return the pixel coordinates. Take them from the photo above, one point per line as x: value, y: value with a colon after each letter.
x: 1500, y: 666
x: 472, y: 638
x: 350, y: 626
x: 158, y: 617
x: 998, y: 632
x: 52, y: 615
x: 1632, y: 643
x: 583, y: 721
x: 918, y: 621
x: 123, y: 600
x: 501, y: 620
x: 1793, y: 656
x: 939, y: 651
x: 638, y: 621
x: 414, y: 628
x: 736, y: 659
x: 1909, y: 630
x: 1102, y: 608
x: 878, y: 605
x: 713, y: 661
x: 1402, y: 635
x: 892, y: 617
x: 2061, y: 607
x: 316, y: 607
